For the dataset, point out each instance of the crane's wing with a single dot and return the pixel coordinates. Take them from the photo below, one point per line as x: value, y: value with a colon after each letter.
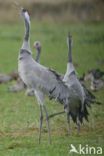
x: 44, y: 79
x: 55, y: 87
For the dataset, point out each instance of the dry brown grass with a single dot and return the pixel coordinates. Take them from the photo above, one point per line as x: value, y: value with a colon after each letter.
x: 65, y: 10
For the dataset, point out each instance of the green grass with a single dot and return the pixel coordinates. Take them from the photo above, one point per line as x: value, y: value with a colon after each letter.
x: 19, y: 114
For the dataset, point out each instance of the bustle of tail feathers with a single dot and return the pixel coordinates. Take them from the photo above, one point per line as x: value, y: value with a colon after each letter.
x: 90, y: 97
x: 80, y: 114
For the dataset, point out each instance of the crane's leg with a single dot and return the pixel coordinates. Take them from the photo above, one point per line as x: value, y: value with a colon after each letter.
x: 78, y: 127
x: 41, y: 121
x: 48, y: 126
x: 68, y: 123
x: 55, y: 114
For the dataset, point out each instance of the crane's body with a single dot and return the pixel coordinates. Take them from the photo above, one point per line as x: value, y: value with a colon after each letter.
x: 70, y: 77
x: 72, y: 81
x: 45, y: 81
x: 39, y: 77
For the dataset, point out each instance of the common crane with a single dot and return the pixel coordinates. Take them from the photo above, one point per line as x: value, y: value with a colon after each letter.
x: 46, y: 81
x: 84, y: 95
x: 71, y: 79
x: 43, y: 80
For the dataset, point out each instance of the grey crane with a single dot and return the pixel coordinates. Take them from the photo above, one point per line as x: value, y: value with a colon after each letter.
x: 46, y: 81
x: 71, y: 80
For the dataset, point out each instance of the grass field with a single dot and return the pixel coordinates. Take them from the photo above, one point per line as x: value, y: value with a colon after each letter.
x: 19, y: 114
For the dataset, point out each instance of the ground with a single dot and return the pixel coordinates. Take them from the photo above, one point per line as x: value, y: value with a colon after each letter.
x: 19, y: 114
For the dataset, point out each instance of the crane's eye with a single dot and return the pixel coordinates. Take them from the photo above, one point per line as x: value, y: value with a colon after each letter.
x: 36, y: 44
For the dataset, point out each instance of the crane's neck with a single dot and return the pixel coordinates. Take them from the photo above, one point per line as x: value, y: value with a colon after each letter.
x: 70, y: 69
x: 69, y: 49
x: 26, y: 40
x: 70, y: 66
x: 38, y: 51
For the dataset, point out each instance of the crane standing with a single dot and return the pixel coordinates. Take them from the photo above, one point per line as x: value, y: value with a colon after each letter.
x: 45, y: 81
x: 71, y: 80
x: 84, y: 95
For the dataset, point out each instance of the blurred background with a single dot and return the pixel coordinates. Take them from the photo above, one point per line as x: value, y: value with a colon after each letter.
x: 61, y: 10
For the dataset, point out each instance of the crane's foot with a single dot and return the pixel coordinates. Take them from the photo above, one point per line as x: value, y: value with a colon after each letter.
x: 55, y: 114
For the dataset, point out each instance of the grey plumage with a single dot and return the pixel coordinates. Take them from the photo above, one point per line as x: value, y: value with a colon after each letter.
x: 90, y: 98
x: 71, y: 80
x: 19, y: 85
x: 43, y: 80
x: 85, y: 97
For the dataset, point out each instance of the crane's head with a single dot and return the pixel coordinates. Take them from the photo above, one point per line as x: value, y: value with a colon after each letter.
x: 25, y: 14
x: 37, y: 46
